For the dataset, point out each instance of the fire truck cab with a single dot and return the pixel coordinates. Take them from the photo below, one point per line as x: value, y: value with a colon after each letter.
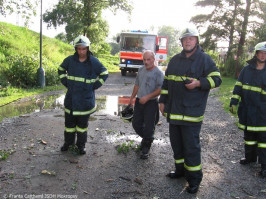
x: 132, y: 45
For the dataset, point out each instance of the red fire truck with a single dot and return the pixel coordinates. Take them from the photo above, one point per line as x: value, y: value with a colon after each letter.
x: 132, y: 45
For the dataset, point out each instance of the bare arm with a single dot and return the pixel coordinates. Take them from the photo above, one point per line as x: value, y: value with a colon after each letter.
x: 133, y: 95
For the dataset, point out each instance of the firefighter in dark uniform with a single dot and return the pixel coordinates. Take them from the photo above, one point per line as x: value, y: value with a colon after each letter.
x: 188, y: 79
x: 81, y: 74
x: 250, y: 93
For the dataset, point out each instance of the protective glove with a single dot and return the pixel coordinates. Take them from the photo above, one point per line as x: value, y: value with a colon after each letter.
x: 232, y: 109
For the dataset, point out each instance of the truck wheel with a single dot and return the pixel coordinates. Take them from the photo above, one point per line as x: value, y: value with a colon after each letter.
x: 123, y: 72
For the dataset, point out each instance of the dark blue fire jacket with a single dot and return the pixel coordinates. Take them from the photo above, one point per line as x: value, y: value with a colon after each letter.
x: 184, y: 106
x: 250, y: 93
x: 81, y: 79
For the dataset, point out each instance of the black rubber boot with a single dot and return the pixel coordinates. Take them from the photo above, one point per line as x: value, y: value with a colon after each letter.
x: 81, y: 141
x: 146, y: 145
x: 179, y: 171
x: 245, y: 161
x: 192, y: 189
x: 69, y: 140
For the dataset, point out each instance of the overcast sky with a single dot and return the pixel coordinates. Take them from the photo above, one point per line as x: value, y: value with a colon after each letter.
x: 146, y: 13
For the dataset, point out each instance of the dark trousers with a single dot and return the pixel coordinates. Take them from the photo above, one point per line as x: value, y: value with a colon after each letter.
x: 145, y: 117
x: 185, y: 143
x: 76, y: 125
x: 255, y: 145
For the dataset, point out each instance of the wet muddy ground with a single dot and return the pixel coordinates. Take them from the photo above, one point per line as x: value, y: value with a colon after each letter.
x: 112, y: 168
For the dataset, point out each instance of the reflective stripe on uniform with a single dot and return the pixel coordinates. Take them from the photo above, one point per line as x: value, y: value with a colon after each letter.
x: 212, y: 83
x: 179, y: 161
x: 186, y: 118
x: 62, y: 76
x: 194, y: 168
x: 81, y: 130
x: 61, y: 69
x: 81, y: 112
x: 261, y: 145
x: 236, y: 96
x: 104, y: 73
x: 164, y: 91
x: 238, y: 83
x: 70, y: 130
x: 250, y: 142
x: 252, y: 128
x: 241, y: 126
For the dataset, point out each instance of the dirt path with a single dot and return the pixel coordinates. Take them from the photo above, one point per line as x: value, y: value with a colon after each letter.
x: 105, y: 173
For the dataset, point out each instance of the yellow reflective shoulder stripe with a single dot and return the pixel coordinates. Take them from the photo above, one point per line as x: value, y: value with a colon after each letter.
x: 195, y: 168
x: 164, y: 91
x: 262, y: 145
x: 186, y: 118
x: 61, y: 69
x: 62, y: 76
x: 253, y: 128
x: 81, y: 130
x: 212, y: 83
x: 179, y: 161
x: 263, y: 92
x: 214, y: 74
x: 238, y: 83
x: 250, y: 142
x: 70, y: 130
x: 236, y: 96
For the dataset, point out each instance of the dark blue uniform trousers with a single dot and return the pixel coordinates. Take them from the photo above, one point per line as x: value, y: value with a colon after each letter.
x: 185, y: 143
x: 145, y: 117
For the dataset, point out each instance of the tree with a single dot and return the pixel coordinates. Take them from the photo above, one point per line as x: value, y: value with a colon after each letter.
x: 25, y: 8
x: 230, y: 21
x: 173, y: 35
x: 84, y: 17
x: 225, y: 22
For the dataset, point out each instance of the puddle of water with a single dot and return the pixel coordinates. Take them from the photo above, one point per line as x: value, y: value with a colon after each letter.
x: 106, y: 105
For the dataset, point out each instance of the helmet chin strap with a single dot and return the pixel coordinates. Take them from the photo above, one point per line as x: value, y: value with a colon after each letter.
x: 189, y: 51
x: 260, y: 61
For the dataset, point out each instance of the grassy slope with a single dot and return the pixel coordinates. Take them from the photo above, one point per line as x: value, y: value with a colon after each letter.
x: 15, y: 40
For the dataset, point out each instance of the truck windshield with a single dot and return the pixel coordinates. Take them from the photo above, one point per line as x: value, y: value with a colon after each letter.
x: 138, y: 42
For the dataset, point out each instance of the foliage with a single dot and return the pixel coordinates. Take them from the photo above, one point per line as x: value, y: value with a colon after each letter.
x: 126, y: 146
x: 173, y: 41
x: 19, y: 56
x: 110, y: 62
x: 25, y: 8
x: 10, y: 94
x: 225, y: 92
x: 83, y: 17
x: 4, y: 154
x: 227, y: 20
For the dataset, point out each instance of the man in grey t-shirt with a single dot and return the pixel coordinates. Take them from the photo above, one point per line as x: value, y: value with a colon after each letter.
x: 146, y: 111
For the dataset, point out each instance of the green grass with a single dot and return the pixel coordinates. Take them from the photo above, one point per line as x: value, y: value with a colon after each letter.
x: 10, y: 94
x: 226, y: 91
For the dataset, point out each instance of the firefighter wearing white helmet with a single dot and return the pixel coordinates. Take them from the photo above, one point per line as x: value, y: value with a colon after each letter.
x: 250, y: 93
x: 81, y: 41
x: 81, y: 74
x: 188, y: 79
x: 189, y: 32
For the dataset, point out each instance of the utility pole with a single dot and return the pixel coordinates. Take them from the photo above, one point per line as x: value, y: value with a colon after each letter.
x: 40, y: 71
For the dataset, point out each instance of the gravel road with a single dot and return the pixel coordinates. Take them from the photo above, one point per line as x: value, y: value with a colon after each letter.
x: 37, y: 168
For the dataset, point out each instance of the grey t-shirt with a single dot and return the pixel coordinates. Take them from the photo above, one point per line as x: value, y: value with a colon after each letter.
x: 148, y: 81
